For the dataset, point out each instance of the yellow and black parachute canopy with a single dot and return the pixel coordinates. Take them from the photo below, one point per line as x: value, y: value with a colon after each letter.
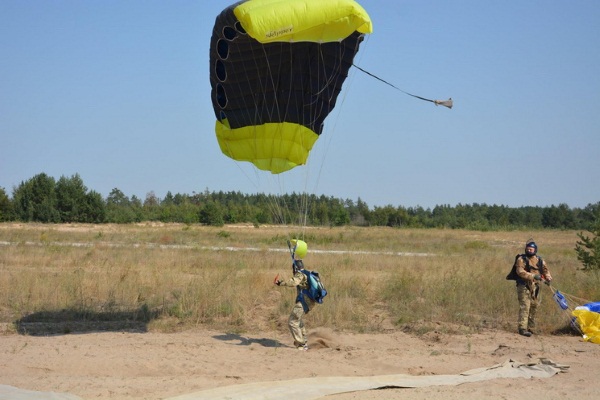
x: 276, y: 70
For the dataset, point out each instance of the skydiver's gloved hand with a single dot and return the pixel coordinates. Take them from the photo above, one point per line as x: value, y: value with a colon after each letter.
x: 537, y: 277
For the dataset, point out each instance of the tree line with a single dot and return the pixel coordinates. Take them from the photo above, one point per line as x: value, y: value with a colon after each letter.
x: 67, y: 200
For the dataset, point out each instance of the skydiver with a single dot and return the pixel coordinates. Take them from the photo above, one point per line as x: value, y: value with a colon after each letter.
x: 531, y: 270
x: 303, y: 303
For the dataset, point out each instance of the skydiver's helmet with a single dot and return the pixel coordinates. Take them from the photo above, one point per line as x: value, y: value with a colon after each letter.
x: 531, y: 248
x: 300, y: 248
x: 299, y: 251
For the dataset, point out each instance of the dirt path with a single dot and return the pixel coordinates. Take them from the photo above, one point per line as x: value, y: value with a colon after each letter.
x: 161, y: 365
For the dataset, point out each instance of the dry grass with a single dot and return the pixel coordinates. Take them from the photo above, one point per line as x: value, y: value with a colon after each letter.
x: 64, y: 278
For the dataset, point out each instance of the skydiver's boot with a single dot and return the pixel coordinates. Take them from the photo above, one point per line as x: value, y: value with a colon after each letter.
x: 303, y: 347
x: 524, y: 332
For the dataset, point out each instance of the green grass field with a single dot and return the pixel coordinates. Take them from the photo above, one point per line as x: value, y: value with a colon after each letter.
x: 67, y: 278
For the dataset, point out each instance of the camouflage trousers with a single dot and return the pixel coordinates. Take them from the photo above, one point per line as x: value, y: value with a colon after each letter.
x: 296, y: 325
x: 528, y: 305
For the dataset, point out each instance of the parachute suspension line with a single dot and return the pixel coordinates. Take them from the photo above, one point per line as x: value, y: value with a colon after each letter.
x: 248, y: 110
x: 564, y: 301
x: 285, y: 215
x: 252, y: 110
x: 327, y: 89
x: 342, y: 99
x: 578, y: 301
x: 278, y: 203
x: 301, y: 208
x: 446, y: 103
x: 302, y: 201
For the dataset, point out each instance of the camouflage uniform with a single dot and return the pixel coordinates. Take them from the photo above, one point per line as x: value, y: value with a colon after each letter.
x: 528, y: 290
x: 302, y: 306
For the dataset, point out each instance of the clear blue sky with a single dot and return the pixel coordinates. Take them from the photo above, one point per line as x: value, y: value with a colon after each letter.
x: 118, y: 92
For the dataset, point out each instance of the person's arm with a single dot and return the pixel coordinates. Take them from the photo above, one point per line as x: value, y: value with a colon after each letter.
x: 546, y: 272
x: 522, y: 272
x: 293, y: 281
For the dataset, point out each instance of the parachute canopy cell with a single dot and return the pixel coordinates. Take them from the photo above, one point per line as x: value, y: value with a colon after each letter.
x: 276, y: 70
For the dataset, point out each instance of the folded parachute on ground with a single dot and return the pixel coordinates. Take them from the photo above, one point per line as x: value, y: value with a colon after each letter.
x: 276, y: 69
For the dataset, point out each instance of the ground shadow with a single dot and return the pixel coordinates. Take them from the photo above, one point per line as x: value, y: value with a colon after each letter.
x: 244, y: 341
x: 567, y: 330
x: 67, y: 321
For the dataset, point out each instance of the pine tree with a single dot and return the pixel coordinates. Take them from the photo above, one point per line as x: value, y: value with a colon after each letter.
x: 588, y: 248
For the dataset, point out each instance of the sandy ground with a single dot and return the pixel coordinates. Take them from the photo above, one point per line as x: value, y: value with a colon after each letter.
x: 124, y: 365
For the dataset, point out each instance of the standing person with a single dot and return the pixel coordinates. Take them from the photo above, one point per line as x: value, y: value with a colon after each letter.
x: 531, y: 270
x: 303, y: 303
